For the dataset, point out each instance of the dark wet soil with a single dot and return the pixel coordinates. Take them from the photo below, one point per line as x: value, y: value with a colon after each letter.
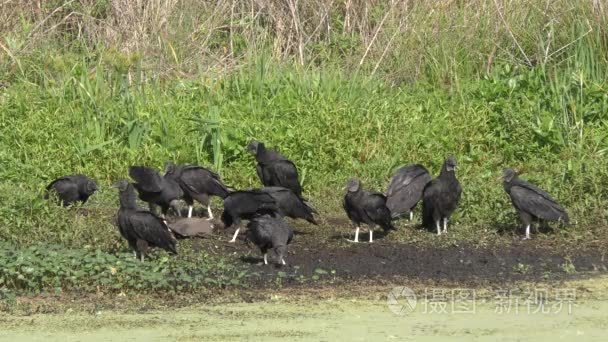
x: 457, y: 264
x: 328, y: 257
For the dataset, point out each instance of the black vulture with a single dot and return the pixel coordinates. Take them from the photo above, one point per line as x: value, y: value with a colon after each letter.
x: 441, y: 197
x: 197, y: 183
x: 70, y: 189
x: 155, y: 189
x: 274, y: 169
x: 141, y: 228
x: 268, y: 232
x: 531, y: 202
x: 290, y: 204
x: 367, y: 207
x: 405, y: 189
x: 245, y: 205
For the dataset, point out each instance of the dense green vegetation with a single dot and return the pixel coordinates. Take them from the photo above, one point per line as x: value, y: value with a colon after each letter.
x: 54, y: 268
x: 332, y: 126
x: 361, y: 96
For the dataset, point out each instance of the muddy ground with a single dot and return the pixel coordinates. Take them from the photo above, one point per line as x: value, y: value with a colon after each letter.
x: 324, y: 254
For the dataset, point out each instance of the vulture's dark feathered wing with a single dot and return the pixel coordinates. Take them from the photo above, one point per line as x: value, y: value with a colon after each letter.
x: 143, y: 225
x: 280, y: 173
x: 70, y: 189
x: 367, y: 207
x: 65, y: 188
x: 405, y: 189
x: 139, y: 227
x: 375, y: 208
x: 199, y: 180
x: 535, y: 201
x: 291, y: 205
x: 155, y: 189
x: 246, y: 204
x: 147, y: 179
x: 441, y: 197
x: 269, y: 232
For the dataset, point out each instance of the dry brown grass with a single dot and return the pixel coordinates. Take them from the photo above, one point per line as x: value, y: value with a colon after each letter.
x: 403, y: 37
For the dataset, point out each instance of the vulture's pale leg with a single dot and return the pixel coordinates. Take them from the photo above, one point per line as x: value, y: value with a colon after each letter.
x: 527, y: 237
x: 283, y: 261
x: 135, y: 255
x: 411, y: 215
x: 235, y: 235
x: 190, y: 207
x: 371, y: 235
x: 438, y: 227
x: 141, y: 257
x: 356, y: 235
x: 209, y: 213
x: 265, y: 258
x: 445, y: 225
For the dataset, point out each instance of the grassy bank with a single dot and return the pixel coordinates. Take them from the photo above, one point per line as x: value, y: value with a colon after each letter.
x: 343, y: 89
x: 43, y: 269
x: 89, y: 119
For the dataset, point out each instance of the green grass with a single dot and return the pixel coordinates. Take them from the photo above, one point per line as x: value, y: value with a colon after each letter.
x: 53, y: 268
x: 89, y: 119
x: 195, y: 84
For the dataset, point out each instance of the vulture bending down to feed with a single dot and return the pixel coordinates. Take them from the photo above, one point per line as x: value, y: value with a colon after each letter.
x: 290, y: 205
x: 274, y: 169
x: 245, y: 205
x: 268, y: 232
x: 70, y: 189
x: 197, y: 183
x: 367, y: 207
x: 141, y: 228
x: 531, y: 202
x: 441, y: 197
x: 405, y: 190
x: 155, y: 189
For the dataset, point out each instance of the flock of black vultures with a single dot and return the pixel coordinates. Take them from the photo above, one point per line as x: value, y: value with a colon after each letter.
x: 281, y: 197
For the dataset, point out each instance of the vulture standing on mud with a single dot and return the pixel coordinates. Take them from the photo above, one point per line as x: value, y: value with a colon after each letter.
x: 155, y: 189
x: 531, y: 202
x: 70, y: 189
x: 245, y: 205
x: 367, y: 207
x: 197, y: 183
x: 441, y: 197
x: 274, y: 169
x: 141, y: 228
x: 405, y: 190
x: 290, y: 205
x: 268, y: 232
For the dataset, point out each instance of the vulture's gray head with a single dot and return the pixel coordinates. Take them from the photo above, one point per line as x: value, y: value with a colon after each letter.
x: 254, y: 147
x: 90, y: 187
x: 508, y: 175
x: 450, y: 164
x: 169, y: 167
x: 353, y: 185
x: 121, y: 185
